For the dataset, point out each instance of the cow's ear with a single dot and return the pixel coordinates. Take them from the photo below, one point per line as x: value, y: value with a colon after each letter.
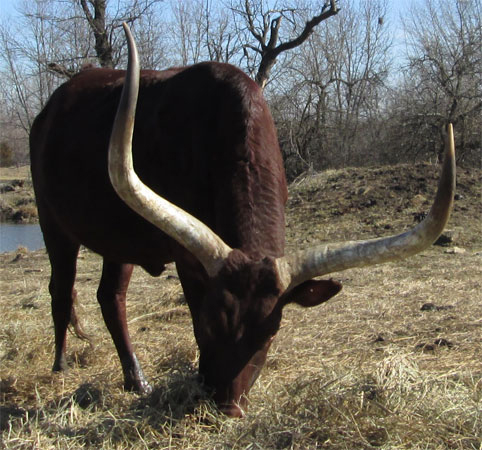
x: 312, y: 292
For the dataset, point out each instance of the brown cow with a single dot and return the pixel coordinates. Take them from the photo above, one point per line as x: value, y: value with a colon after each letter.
x: 204, y: 140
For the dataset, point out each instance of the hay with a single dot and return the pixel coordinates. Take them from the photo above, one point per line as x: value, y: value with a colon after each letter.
x: 369, y: 369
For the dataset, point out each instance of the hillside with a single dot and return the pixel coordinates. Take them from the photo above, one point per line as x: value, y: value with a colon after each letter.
x: 378, y: 198
x: 359, y: 203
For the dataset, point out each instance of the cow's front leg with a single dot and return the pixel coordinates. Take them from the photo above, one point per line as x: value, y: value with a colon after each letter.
x: 112, y: 298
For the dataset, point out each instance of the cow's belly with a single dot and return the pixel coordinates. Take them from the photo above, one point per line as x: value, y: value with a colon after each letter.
x: 105, y: 225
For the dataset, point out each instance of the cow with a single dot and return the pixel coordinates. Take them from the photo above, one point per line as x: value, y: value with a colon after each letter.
x: 183, y: 165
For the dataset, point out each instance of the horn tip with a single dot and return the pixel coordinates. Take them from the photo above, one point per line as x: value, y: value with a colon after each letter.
x: 450, y: 143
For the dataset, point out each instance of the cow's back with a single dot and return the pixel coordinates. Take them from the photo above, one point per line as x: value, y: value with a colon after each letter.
x: 204, y: 139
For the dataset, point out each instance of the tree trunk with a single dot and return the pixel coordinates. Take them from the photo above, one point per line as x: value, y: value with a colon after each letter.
x: 103, y: 46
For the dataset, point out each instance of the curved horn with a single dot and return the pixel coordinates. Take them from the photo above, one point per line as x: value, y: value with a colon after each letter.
x: 188, y: 231
x: 321, y: 260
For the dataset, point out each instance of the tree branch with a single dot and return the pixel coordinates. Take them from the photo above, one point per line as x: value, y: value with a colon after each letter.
x: 249, y: 17
x: 270, y: 52
x: 60, y: 70
x: 309, y: 27
x: 88, y: 14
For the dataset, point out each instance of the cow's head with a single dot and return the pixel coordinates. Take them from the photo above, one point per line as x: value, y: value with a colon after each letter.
x: 238, y: 318
x: 240, y: 310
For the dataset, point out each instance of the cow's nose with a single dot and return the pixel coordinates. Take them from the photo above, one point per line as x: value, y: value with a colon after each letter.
x: 232, y: 410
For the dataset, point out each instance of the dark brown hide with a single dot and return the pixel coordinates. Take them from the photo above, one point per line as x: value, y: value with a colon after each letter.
x: 204, y: 139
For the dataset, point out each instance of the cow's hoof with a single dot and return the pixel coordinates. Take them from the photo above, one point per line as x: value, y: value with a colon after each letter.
x: 60, y: 365
x: 140, y: 386
x: 134, y: 379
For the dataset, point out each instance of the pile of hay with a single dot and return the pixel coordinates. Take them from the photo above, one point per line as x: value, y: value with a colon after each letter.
x: 394, y: 361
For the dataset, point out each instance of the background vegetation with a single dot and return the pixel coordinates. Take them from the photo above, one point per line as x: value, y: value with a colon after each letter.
x: 347, y: 84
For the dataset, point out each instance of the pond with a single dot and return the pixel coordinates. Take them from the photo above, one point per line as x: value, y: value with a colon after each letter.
x: 14, y: 235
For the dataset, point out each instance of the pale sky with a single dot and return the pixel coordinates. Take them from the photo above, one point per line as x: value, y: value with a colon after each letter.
x: 7, y: 7
x: 396, y: 7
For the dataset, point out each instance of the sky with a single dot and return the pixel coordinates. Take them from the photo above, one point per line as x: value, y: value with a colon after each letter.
x: 7, y: 7
x: 396, y: 9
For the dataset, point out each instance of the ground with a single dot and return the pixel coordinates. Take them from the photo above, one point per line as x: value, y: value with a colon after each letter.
x: 392, y: 362
x: 17, y: 201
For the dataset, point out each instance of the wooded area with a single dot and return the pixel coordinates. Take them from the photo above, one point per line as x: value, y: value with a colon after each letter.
x: 345, y: 85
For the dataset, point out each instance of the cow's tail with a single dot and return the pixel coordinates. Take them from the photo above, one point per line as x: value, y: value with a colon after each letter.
x: 76, y: 325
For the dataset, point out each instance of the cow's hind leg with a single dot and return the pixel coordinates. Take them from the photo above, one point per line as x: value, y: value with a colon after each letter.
x: 63, y: 258
x: 112, y: 298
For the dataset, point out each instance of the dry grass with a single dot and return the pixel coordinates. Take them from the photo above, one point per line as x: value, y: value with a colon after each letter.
x: 14, y: 173
x: 369, y: 369
x: 17, y: 205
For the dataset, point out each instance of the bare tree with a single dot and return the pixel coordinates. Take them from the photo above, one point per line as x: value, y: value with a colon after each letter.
x: 444, y: 76
x: 338, y: 76
x: 104, y: 22
x: 262, y: 31
x: 96, y: 17
x: 188, y: 30
x: 25, y: 48
x: 201, y: 30
x: 222, y: 41
x: 51, y: 40
x: 150, y: 32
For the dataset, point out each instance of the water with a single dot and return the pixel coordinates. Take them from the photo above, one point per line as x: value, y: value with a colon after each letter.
x: 14, y: 235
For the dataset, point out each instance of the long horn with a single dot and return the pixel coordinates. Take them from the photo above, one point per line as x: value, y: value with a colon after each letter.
x: 321, y: 260
x: 188, y: 231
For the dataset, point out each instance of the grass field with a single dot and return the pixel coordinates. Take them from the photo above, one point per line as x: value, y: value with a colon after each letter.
x: 393, y: 362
